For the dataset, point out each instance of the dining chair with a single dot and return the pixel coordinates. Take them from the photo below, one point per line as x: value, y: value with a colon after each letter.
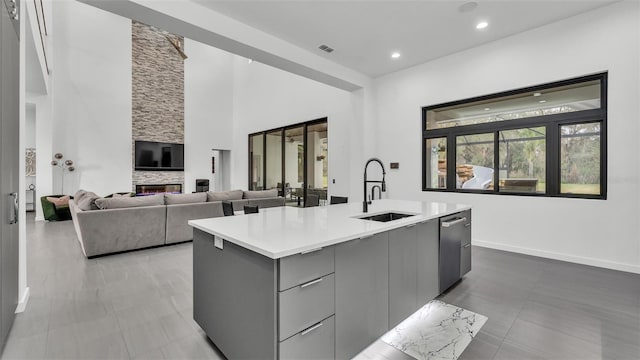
x: 311, y: 200
x: 227, y: 208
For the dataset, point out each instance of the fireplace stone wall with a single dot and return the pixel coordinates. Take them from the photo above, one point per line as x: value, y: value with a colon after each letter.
x: 157, y: 96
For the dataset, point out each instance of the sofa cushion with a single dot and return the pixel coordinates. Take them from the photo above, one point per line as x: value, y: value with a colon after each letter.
x: 173, y: 199
x: 267, y: 202
x: 79, y: 195
x: 224, y: 195
x: 59, y: 201
x: 87, y: 201
x: 128, y: 202
x: 260, y: 194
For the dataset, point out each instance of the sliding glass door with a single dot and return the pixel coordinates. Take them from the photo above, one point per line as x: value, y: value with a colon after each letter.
x: 317, y: 161
x: 274, y: 160
x: 294, y: 163
x: 256, y: 162
x: 293, y: 159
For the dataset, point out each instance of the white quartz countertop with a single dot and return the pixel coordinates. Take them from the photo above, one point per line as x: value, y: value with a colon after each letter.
x: 283, y: 231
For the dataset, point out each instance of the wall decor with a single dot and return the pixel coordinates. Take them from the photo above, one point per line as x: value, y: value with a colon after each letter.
x: 30, y: 161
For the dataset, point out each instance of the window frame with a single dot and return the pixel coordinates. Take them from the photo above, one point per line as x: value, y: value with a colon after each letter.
x: 552, y: 124
x: 282, y: 129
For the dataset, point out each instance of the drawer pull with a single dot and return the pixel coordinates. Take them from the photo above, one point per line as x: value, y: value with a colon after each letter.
x: 310, y: 251
x: 454, y: 222
x: 310, y: 283
x: 410, y: 226
x: 305, y: 332
x: 467, y: 245
x: 467, y: 225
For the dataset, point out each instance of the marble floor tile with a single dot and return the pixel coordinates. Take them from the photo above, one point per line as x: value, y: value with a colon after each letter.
x: 436, y: 331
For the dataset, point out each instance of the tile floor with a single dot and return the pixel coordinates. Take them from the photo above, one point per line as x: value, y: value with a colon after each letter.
x: 138, y: 305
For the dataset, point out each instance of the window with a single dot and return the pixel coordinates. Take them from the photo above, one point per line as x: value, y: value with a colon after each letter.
x: 547, y: 140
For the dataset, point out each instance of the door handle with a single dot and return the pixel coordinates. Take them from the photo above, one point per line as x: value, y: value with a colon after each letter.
x: 13, y: 215
x: 454, y: 222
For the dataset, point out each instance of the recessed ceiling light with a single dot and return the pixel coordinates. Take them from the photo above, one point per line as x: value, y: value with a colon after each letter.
x: 481, y: 25
x: 487, y: 109
x: 542, y: 101
x: 537, y: 94
x: 395, y: 55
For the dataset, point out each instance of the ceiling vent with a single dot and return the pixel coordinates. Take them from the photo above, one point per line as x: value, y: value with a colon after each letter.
x: 325, y: 48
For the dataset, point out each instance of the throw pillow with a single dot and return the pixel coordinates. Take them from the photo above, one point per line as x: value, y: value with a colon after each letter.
x: 127, y: 202
x: 224, y: 195
x: 87, y: 201
x: 261, y: 194
x: 172, y: 199
x: 61, y: 201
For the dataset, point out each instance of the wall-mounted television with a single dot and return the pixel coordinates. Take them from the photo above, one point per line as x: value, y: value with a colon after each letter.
x: 159, y: 156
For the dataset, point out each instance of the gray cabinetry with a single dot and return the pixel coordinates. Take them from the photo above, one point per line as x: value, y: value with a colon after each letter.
x: 316, y: 342
x: 403, y: 273
x: 428, y: 246
x: 303, y: 306
x: 413, y: 269
x: 301, y: 268
x: 235, y: 298
x: 362, y: 298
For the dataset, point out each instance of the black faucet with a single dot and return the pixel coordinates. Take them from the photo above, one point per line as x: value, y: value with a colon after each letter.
x: 373, y: 192
x: 365, y: 203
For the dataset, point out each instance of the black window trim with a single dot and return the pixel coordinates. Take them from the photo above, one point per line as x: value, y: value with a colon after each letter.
x: 282, y: 130
x: 552, y: 124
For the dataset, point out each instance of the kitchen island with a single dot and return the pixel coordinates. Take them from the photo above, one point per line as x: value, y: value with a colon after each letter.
x: 315, y: 282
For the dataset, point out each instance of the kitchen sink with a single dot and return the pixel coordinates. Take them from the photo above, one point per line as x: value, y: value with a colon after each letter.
x: 386, y: 217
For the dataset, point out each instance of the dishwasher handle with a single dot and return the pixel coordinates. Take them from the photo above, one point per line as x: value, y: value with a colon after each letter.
x: 453, y: 222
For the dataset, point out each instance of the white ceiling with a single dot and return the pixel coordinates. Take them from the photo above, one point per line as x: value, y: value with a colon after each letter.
x: 364, y: 33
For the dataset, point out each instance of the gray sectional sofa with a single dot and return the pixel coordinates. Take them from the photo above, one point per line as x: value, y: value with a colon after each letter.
x: 110, y: 225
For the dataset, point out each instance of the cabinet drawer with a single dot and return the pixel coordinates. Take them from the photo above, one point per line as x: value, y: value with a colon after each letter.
x: 316, y: 342
x: 305, y: 305
x: 301, y: 268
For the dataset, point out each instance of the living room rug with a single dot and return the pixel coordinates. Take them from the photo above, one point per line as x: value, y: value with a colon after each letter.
x: 436, y: 331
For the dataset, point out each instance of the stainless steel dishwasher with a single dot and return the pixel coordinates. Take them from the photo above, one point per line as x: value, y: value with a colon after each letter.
x: 455, y: 248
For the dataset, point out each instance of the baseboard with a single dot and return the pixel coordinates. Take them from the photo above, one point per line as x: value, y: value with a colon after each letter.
x: 39, y: 218
x: 22, y: 305
x: 562, y: 257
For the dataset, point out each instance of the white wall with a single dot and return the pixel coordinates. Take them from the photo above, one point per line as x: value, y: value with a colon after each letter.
x: 208, y: 109
x: 602, y: 233
x: 92, y: 97
x: 266, y: 98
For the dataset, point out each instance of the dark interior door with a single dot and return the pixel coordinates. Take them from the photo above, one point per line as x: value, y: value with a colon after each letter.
x: 9, y: 146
